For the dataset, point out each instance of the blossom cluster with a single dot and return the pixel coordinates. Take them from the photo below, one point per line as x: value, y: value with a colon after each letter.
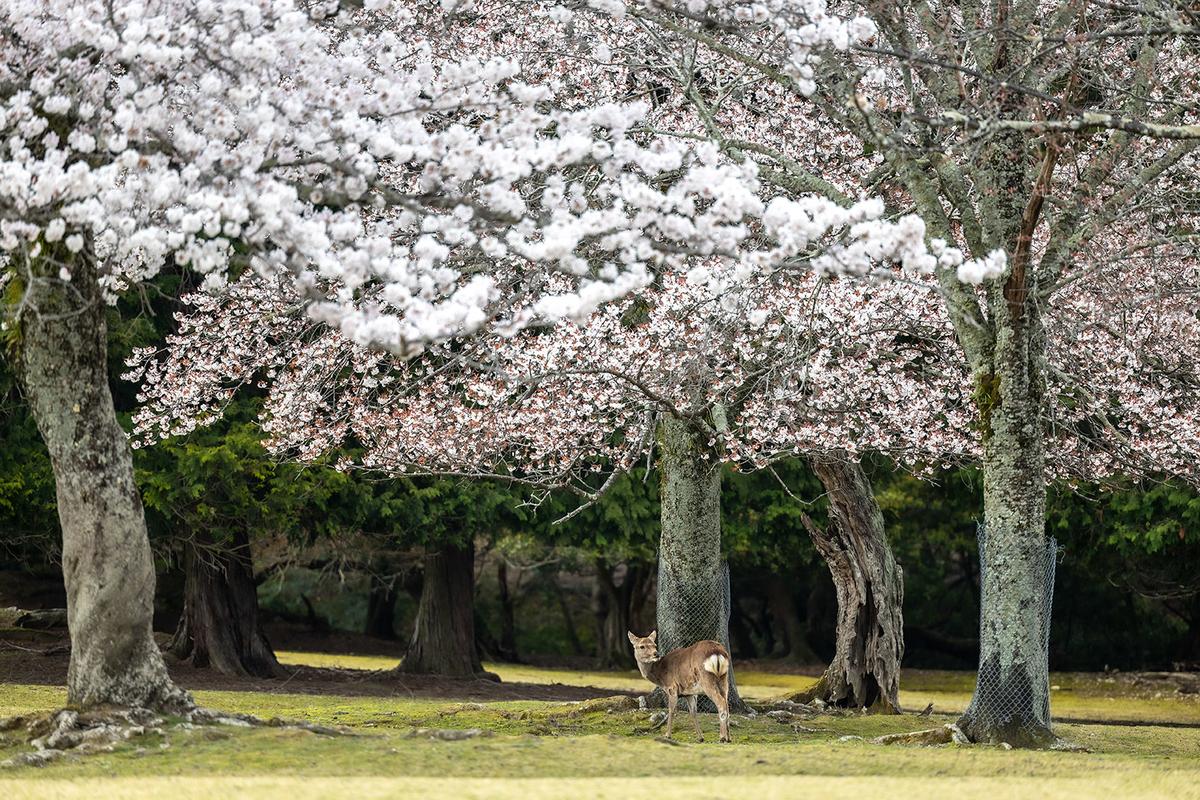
x: 361, y: 151
x: 805, y: 361
x: 803, y: 366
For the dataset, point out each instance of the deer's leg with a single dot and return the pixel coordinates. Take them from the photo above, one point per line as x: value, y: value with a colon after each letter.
x: 722, y: 701
x: 692, y: 701
x: 717, y: 690
x: 672, y: 699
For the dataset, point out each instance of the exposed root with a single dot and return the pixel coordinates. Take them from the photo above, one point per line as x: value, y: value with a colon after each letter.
x: 69, y: 733
x: 775, y: 708
x: 78, y: 733
x: 616, y: 704
x: 657, y: 720
x: 934, y: 737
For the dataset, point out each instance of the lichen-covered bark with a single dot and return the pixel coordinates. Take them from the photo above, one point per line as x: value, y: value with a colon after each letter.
x: 865, y: 670
x: 220, y: 625
x: 61, y: 361
x: 691, y: 606
x: 1004, y: 343
x: 1012, y: 696
x: 443, y: 642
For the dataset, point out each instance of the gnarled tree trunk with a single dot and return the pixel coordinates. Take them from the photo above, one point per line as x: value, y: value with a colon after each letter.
x: 444, y: 640
x: 691, y: 601
x: 865, y: 671
x: 220, y: 627
x: 61, y: 360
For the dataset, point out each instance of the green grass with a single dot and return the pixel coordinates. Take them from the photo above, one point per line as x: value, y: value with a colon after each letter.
x: 538, y: 749
x: 1073, y: 697
x: 751, y: 684
x: 16, y: 699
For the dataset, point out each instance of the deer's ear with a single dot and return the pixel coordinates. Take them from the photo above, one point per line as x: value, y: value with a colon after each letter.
x: 652, y: 635
x: 632, y: 638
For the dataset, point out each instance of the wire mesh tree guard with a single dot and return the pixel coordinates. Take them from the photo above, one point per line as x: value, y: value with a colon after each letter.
x: 996, y: 706
x: 690, y: 610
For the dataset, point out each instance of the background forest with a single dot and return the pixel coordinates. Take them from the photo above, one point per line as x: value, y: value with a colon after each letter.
x: 346, y: 551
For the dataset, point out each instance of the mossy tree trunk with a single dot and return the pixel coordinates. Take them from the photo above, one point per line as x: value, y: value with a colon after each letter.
x: 220, y: 626
x: 1004, y: 340
x: 1012, y: 696
x: 691, y: 600
x: 865, y: 670
x: 1000, y: 329
x: 443, y: 642
x: 60, y: 356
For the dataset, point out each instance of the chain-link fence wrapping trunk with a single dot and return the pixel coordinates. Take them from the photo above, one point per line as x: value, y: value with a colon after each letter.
x: 691, y: 610
x: 1034, y: 705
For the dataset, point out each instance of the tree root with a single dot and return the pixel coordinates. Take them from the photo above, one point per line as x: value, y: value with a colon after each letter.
x: 617, y: 704
x: 948, y: 733
x: 787, y: 710
x: 70, y: 733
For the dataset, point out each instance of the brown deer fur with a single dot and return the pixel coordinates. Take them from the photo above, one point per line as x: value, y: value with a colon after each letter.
x: 687, y: 672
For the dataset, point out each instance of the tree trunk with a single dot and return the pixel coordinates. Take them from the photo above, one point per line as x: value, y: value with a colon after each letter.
x: 1012, y: 696
x: 564, y: 609
x: 444, y: 640
x: 791, y: 642
x: 1189, y: 649
x: 865, y: 670
x: 614, y: 614
x: 692, y: 580
x: 61, y: 360
x: 220, y: 627
x: 381, y: 608
x: 641, y: 578
x: 508, y: 622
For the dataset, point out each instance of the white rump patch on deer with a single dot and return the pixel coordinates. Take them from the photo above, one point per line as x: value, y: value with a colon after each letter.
x: 717, y: 665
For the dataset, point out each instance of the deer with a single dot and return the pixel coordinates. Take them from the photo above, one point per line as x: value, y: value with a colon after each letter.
x: 687, y: 672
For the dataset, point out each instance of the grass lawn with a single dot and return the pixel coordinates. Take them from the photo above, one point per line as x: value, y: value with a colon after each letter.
x: 534, y: 750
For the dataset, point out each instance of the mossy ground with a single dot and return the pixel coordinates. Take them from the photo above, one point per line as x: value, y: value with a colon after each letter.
x: 538, y: 749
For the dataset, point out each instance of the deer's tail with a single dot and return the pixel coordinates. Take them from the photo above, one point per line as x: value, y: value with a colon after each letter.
x: 716, y: 664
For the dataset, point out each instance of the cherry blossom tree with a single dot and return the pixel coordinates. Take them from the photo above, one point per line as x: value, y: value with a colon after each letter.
x: 1062, y: 132
x: 669, y: 371
x: 831, y: 369
x: 1048, y: 130
x: 1051, y: 147
x: 351, y: 150
x: 732, y: 74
